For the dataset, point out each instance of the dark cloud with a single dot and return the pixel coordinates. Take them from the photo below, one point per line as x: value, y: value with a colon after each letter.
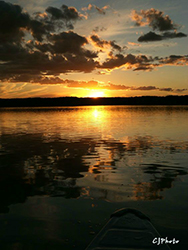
x: 52, y: 80
x: 13, y: 21
x: 152, y: 36
x: 60, y: 53
x: 65, y: 12
x: 64, y: 42
x: 39, y: 63
x: 68, y: 44
x: 174, y: 60
x: 55, y: 13
x: 111, y: 86
x: 146, y: 88
x: 157, y: 21
x: 166, y: 89
x: 102, y: 86
x: 143, y: 68
x: 52, y: 50
x: 142, y: 62
x: 116, y: 62
x: 11, y: 51
x: 39, y: 29
x: 167, y: 35
x: 129, y: 60
x: 103, y: 43
x: 154, y: 18
x: 37, y: 79
x: 172, y: 90
x: 180, y: 90
x: 98, y: 29
x: 54, y: 19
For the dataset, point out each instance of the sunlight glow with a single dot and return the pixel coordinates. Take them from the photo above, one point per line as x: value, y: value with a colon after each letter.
x: 95, y: 113
x: 96, y: 93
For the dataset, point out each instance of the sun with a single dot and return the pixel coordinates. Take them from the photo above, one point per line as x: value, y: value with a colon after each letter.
x: 96, y: 94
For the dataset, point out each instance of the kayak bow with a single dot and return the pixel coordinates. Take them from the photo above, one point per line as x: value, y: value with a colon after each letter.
x: 128, y: 229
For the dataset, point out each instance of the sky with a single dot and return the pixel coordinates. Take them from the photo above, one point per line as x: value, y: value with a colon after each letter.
x: 93, y: 48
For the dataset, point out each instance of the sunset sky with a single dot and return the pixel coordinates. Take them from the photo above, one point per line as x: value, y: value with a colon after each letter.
x: 93, y: 48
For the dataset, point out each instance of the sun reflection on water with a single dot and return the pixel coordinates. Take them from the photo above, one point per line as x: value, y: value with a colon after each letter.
x: 110, y: 149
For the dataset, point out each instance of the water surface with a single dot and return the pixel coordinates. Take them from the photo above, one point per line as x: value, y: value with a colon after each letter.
x: 63, y: 171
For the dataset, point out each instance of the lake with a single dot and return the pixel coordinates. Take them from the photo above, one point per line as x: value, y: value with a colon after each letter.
x: 64, y: 170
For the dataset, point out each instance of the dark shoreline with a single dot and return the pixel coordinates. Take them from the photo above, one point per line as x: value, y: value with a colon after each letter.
x: 87, y: 101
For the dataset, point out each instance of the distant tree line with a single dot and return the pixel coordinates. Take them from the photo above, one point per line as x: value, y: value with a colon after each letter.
x: 76, y: 101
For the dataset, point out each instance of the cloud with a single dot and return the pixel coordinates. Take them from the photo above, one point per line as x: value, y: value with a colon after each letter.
x: 100, y: 85
x: 98, y: 29
x: 54, y: 19
x: 129, y: 61
x: 102, y: 10
x: 157, y: 21
x: 167, y: 35
x: 99, y: 10
x: 38, y: 63
x: 103, y: 43
x: 49, y: 51
x: 134, y: 44
x: 174, y: 60
x: 111, y: 86
x: 29, y: 78
x: 152, y: 36
x: 52, y: 80
x: 39, y: 48
x: 146, y: 88
x: 40, y: 29
x: 180, y: 90
x: 13, y: 21
x: 58, y: 57
x: 83, y: 84
x: 65, y: 12
x: 142, y: 62
x: 172, y: 90
x: 66, y: 42
x: 166, y: 89
x: 154, y: 18
x: 143, y: 68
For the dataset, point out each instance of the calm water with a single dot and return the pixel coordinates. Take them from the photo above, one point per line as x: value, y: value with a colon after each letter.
x: 63, y: 171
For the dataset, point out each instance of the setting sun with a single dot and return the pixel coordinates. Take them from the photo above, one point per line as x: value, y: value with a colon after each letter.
x: 96, y: 94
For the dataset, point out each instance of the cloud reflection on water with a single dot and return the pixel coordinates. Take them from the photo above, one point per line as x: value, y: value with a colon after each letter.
x: 106, y: 169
